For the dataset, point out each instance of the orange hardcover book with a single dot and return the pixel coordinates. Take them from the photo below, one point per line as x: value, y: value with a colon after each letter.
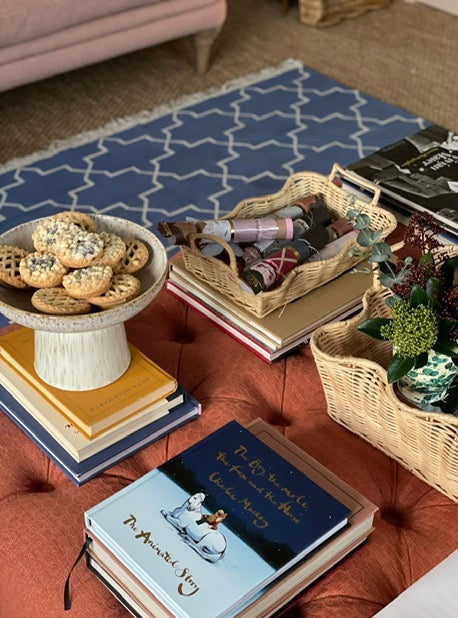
x: 96, y: 410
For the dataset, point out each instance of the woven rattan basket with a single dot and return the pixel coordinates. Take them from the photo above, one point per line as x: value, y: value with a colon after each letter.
x: 329, y: 12
x: 305, y: 277
x: 352, y: 370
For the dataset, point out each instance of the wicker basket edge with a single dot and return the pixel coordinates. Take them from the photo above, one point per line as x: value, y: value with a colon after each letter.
x: 440, y: 486
x: 346, y: 198
x: 340, y: 202
x: 327, y: 360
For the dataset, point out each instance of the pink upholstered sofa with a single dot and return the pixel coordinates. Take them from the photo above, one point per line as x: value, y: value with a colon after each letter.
x: 41, y: 511
x: 41, y: 38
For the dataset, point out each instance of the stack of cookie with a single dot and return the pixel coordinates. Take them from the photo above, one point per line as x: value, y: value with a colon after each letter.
x: 74, y: 267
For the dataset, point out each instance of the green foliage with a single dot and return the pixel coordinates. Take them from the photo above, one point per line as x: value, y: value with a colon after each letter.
x: 413, y: 329
x: 373, y: 327
x: 399, y: 367
x: 420, y: 320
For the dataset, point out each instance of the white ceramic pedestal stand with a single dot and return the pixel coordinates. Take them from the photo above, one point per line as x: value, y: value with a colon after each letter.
x: 82, y: 361
x: 84, y: 352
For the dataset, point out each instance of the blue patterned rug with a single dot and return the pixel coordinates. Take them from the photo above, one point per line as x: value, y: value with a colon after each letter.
x: 200, y: 156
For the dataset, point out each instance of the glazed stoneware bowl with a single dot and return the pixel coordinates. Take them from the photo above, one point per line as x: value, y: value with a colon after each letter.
x: 87, y: 351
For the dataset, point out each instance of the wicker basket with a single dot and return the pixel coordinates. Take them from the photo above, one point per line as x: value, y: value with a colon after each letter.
x: 329, y: 12
x: 305, y: 277
x: 360, y: 398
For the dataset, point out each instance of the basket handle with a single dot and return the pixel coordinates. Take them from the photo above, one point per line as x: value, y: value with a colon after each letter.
x: 358, y: 180
x: 195, y: 249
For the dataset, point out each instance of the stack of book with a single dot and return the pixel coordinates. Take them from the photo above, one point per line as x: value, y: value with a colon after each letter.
x: 418, y: 173
x: 282, y: 330
x: 237, y: 525
x: 86, y: 432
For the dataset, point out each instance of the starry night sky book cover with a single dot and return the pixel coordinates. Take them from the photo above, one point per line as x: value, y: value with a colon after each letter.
x: 210, y: 528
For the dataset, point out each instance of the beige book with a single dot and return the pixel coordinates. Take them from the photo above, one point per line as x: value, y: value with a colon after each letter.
x: 286, y: 324
x: 65, y: 432
x: 134, y: 595
x: 96, y: 410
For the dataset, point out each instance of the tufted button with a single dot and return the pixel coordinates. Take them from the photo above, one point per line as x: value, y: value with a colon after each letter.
x: 277, y: 420
x: 394, y: 517
x: 181, y: 333
x: 184, y: 337
x: 37, y: 486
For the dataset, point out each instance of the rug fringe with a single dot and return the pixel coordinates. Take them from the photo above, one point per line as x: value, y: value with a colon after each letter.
x: 127, y: 122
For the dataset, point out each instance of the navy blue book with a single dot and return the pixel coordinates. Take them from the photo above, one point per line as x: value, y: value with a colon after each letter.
x: 81, y: 472
x: 209, y: 529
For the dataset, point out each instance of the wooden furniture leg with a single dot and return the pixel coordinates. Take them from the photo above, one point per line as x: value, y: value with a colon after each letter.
x: 203, y: 42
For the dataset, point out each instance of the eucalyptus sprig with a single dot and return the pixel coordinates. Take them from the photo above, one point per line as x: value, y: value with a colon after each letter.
x: 371, y: 248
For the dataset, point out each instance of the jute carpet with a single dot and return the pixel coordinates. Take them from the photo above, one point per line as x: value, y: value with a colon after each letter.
x: 406, y: 54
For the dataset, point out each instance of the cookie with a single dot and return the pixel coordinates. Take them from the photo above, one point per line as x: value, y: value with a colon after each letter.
x: 87, y: 282
x: 59, y: 302
x: 114, y: 250
x: 50, y: 231
x: 81, y: 219
x: 10, y: 258
x: 123, y: 287
x: 137, y: 255
x: 78, y: 250
x: 42, y: 270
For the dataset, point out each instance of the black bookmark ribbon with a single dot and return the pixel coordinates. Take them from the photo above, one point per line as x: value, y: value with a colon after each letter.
x: 67, y: 599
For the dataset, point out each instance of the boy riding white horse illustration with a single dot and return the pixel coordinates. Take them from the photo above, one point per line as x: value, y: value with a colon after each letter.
x: 199, y: 531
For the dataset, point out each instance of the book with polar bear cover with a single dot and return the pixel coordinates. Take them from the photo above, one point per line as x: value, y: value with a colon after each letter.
x: 210, y: 528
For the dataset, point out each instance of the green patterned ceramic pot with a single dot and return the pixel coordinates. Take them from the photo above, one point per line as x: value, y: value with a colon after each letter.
x: 429, y: 383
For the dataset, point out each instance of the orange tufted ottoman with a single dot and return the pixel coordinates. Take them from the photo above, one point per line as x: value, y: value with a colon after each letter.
x: 41, y: 511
